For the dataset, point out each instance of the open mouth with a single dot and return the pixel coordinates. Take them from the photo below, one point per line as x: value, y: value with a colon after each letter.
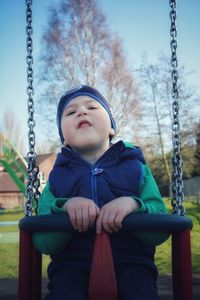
x: 84, y: 124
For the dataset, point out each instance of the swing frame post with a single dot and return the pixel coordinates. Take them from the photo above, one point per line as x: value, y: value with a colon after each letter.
x: 30, y: 269
x: 182, y: 265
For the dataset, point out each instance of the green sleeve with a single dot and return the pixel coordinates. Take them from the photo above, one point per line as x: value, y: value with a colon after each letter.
x: 50, y: 242
x: 150, y: 202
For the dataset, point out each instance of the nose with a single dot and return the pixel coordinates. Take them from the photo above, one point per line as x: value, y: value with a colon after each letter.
x: 82, y: 111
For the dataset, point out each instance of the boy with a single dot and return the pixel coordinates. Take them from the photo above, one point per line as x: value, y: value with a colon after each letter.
x: 94, y: 180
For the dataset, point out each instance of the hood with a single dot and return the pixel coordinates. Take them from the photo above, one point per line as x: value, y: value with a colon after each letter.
x: 118, y: 151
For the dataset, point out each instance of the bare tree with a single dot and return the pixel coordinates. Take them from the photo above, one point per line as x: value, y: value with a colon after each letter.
x: 78, y: 48
x: 122, y: 89
x: 11, y: 129
x: 151, y: 80
x: 156, y: 86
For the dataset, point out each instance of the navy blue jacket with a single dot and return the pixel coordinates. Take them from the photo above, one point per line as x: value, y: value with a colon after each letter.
x: 120, y: 171
x: 117, y: 173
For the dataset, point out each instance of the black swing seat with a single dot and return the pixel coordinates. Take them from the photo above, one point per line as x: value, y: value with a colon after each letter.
x: 178, y: 226
x: 165, y: 222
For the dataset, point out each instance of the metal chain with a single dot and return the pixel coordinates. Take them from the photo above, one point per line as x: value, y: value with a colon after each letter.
x: 177, y: 172
x: 33, y: 182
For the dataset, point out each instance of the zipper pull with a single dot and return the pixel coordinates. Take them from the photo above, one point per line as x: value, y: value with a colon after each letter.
x: 96, y: 171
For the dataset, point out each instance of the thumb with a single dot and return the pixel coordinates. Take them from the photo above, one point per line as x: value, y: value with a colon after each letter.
x: 97, y: 210
x: 98, y: 224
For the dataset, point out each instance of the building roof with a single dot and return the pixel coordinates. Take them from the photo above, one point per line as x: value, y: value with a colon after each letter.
x: 7, y: 185
x: 6, y: 182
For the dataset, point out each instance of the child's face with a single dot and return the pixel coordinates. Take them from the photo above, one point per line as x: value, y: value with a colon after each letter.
x: 86, y: 124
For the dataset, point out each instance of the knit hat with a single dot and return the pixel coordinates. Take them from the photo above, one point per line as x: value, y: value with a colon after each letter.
x: 83, y: 90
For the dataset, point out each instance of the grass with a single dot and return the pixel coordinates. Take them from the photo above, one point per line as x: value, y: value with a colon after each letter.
x: 9, y: 251
x: 11, y: 215
x: 9, y: 260
x: 163, y: 252
x: 9, y: 248
x: 10, y: 228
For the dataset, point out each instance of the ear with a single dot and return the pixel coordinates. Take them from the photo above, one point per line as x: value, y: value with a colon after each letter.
x: 112, y: 132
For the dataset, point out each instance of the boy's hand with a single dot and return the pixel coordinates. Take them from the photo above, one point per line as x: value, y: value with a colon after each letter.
x: 112, y: 213
x: 82, y: 212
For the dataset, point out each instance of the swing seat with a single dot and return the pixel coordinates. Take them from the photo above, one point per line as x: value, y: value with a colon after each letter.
x: 102, y: 283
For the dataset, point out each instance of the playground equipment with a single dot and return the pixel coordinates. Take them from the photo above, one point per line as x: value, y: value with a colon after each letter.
x: 102, y: 281
x: 13, y: 162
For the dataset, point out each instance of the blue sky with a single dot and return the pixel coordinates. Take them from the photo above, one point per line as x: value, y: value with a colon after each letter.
x: 143, y: 26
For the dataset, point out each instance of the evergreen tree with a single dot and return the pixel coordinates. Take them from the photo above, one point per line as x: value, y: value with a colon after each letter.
x: 197, y: 151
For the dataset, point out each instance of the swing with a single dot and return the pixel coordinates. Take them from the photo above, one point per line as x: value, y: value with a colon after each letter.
x: 102, y: 283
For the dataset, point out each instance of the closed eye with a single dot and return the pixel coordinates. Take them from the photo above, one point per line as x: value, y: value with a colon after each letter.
x: 92, y: 107
x: 70, y: 113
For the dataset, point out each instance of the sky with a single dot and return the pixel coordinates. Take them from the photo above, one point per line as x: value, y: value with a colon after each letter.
x: 142, y: 25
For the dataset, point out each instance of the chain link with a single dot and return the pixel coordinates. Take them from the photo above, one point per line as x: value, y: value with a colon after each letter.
x: 33, y: 182
x: 177, y: 172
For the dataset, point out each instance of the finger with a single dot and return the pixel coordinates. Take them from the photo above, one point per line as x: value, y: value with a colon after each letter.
x: 106, y: 222
x: 85, y: 218
x: 118, y: 220
x: 99, y: 222
x: 72, y: 216
x: 79, y: 219
x: 92, y: 215
x: 111, y: 221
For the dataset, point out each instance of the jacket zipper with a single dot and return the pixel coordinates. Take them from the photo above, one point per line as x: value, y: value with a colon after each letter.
x: 94, y: 172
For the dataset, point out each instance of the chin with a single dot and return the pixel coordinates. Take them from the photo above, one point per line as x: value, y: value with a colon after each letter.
x: 87, y: 146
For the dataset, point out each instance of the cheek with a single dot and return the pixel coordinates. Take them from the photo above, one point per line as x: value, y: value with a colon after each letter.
x: 66, y: 127
x: 103, y: 122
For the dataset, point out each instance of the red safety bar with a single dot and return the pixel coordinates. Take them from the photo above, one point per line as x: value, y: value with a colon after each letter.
x: 102, y: 280
x: 30, y: 269
x: 182, y: 266
x: 102, y: 283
